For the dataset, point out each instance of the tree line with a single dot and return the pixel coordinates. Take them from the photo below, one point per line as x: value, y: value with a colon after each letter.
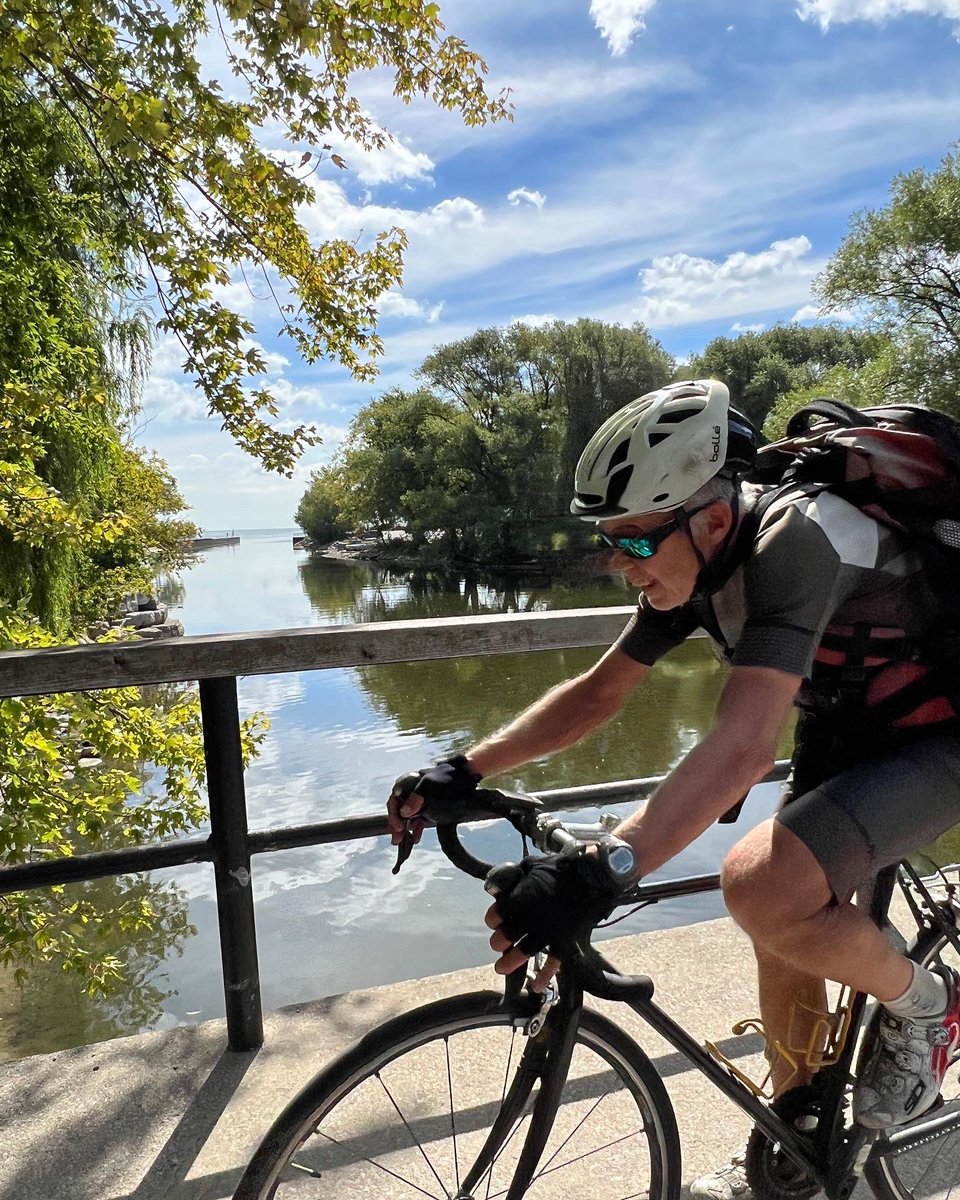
x: 475, y: 464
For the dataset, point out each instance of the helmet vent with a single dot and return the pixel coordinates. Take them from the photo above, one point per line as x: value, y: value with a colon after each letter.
x: 662, y: 496
x: 674, y: 416
x: 654, y: 439
x: 618, y: 485
x: 619, y: 455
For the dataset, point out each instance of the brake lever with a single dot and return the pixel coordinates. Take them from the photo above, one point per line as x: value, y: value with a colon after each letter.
x: 404, y: 847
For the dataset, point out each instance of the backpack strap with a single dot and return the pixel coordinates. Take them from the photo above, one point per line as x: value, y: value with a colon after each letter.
x: 835, y: 411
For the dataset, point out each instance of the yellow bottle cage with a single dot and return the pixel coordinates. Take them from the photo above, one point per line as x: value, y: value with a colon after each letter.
x: 824, y: 1042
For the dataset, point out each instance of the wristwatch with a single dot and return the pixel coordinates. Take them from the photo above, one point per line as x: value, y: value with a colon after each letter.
x: 618, y: 861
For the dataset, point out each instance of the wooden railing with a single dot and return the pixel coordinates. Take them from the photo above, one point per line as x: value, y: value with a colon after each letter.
x: 215, y: 662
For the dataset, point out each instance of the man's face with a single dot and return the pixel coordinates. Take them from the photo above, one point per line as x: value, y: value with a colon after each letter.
x: 667, y: 578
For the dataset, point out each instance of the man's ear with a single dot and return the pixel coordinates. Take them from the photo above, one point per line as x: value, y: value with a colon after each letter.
x: 717, y: 520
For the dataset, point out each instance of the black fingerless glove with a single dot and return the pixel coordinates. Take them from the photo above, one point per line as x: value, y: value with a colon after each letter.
x: 449, y: 780
x: 545, y: 899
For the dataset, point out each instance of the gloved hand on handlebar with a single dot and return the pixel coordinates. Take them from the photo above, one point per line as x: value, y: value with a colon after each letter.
x: 544, y: 900
x: 450, y: 779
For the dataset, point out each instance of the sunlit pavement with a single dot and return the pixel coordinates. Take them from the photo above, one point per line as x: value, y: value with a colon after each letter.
x: 173, y: 1115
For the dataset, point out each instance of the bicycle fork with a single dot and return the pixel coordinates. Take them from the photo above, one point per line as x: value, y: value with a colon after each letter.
x: 545, y: 1060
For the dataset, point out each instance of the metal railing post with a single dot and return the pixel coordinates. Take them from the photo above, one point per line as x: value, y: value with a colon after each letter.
x: 231, y: 859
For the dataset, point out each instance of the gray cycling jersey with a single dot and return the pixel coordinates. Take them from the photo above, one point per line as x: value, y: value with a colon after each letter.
x: 816, y: 561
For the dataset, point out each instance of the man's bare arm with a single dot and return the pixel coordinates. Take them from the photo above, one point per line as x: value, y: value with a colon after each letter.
x: 562, y: 717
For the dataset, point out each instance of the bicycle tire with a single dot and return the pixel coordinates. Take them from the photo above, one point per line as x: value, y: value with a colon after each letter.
x: 919, y: 1174
x: 330, y: 1108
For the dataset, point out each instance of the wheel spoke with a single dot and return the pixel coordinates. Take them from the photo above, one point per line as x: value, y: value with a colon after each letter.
x: 597, y: 1150
x: 453, y: 1112
x: 413, y: 1136
x: 573, y: 1132
x: 386, y: 1170
x: 571, y: 1161
x: 503, y: 1096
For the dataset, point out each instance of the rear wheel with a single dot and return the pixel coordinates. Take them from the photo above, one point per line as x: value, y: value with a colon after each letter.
x: 408, y: 1112
x: 929, y: 1170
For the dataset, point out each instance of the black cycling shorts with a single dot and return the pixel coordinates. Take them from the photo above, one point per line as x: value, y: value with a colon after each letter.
x: 875, y: 813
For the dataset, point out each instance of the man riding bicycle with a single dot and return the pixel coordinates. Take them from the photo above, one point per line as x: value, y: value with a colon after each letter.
x: 778, y: 584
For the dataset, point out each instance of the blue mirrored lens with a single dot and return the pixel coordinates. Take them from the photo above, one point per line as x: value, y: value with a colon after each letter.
x: 638, y: 547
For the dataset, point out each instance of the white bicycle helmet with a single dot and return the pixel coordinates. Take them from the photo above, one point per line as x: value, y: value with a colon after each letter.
x: 656, y: 452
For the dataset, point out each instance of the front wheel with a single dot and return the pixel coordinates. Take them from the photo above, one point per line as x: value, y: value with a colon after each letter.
x: 436, y: 1103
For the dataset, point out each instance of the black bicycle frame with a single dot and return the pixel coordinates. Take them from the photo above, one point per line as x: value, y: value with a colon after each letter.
x: 830, y: 1156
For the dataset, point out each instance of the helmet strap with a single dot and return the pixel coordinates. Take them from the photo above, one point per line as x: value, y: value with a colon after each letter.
x: 683, y: 521
x: 714, y: 574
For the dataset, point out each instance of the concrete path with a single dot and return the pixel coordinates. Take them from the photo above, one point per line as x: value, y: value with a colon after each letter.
x: 174, y: 1116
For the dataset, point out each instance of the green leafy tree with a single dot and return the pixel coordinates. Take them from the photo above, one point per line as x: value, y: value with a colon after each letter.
x: 759, y: 368
x: 600, y: 368
x: 84, y: 518
x: 125, y: 994
x: 195, y: 195
x: 320, y: 513
x: 574, y: 374
x: 395, y: 464
x: 900, y: 267
x: 82, y: 514
x: 878, y: 381
x: 469, y: 489
x: 105, y: 769
x: 478, y: 465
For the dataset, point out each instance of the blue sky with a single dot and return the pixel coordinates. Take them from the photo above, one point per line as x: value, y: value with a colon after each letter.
x: 688, y: 163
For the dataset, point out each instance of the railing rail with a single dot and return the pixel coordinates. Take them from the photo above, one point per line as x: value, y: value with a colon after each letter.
x: 216, y: 662
x: 229, y: 655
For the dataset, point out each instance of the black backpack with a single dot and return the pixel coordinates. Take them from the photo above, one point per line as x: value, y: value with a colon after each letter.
x: 898, y: 463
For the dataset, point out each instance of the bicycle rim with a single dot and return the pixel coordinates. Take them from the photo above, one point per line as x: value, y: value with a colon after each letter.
x: 406, y: 1114
x: 931, y: 1170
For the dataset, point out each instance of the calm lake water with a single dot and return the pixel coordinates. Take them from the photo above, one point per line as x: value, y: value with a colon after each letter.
x: 334, y: 918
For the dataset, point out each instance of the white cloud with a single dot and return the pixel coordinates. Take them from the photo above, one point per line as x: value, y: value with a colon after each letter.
x: 396, y: 304
x: 813, y: 312
x: 534, y: 319
x: 681, y: 288
x: 585, y: 216
x: 393, y: 162
x: 739, y: 327
x: 537, y: 199
x: 826, y: 12
x: 456, y: 211
x: 619, y: 20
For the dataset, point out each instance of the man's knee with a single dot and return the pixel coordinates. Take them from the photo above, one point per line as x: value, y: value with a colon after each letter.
x: 771, y: 881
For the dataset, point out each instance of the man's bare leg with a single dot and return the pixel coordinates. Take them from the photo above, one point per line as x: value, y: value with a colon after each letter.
x: 789, y: 999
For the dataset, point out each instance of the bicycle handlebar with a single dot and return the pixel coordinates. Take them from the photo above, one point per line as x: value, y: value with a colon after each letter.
x: 588, y: 968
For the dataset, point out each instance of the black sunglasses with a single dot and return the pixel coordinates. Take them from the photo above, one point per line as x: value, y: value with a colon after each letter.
x: 646, y: 544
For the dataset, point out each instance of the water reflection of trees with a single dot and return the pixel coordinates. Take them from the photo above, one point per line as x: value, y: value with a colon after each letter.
x: 50, y: 1009
x: 457, y: 701
x: 465, y: 699
x: 363, y: 592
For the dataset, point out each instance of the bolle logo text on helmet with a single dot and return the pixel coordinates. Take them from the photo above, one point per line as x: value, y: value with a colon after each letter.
x: 715, y: 439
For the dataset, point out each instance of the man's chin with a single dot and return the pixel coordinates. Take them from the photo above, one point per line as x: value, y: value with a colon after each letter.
x: 657, y: 598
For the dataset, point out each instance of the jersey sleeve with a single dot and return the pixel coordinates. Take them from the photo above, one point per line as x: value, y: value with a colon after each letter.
x: 649, y: 633
x: 793, y: 582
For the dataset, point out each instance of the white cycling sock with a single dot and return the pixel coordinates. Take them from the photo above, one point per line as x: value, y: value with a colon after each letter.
x: 925, y: 997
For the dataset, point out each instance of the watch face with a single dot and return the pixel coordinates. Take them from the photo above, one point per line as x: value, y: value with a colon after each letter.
x: 621, y: 860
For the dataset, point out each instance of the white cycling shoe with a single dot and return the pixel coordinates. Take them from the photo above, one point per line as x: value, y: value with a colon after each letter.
x: 728, y: 1182
x: 910, y: 1057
